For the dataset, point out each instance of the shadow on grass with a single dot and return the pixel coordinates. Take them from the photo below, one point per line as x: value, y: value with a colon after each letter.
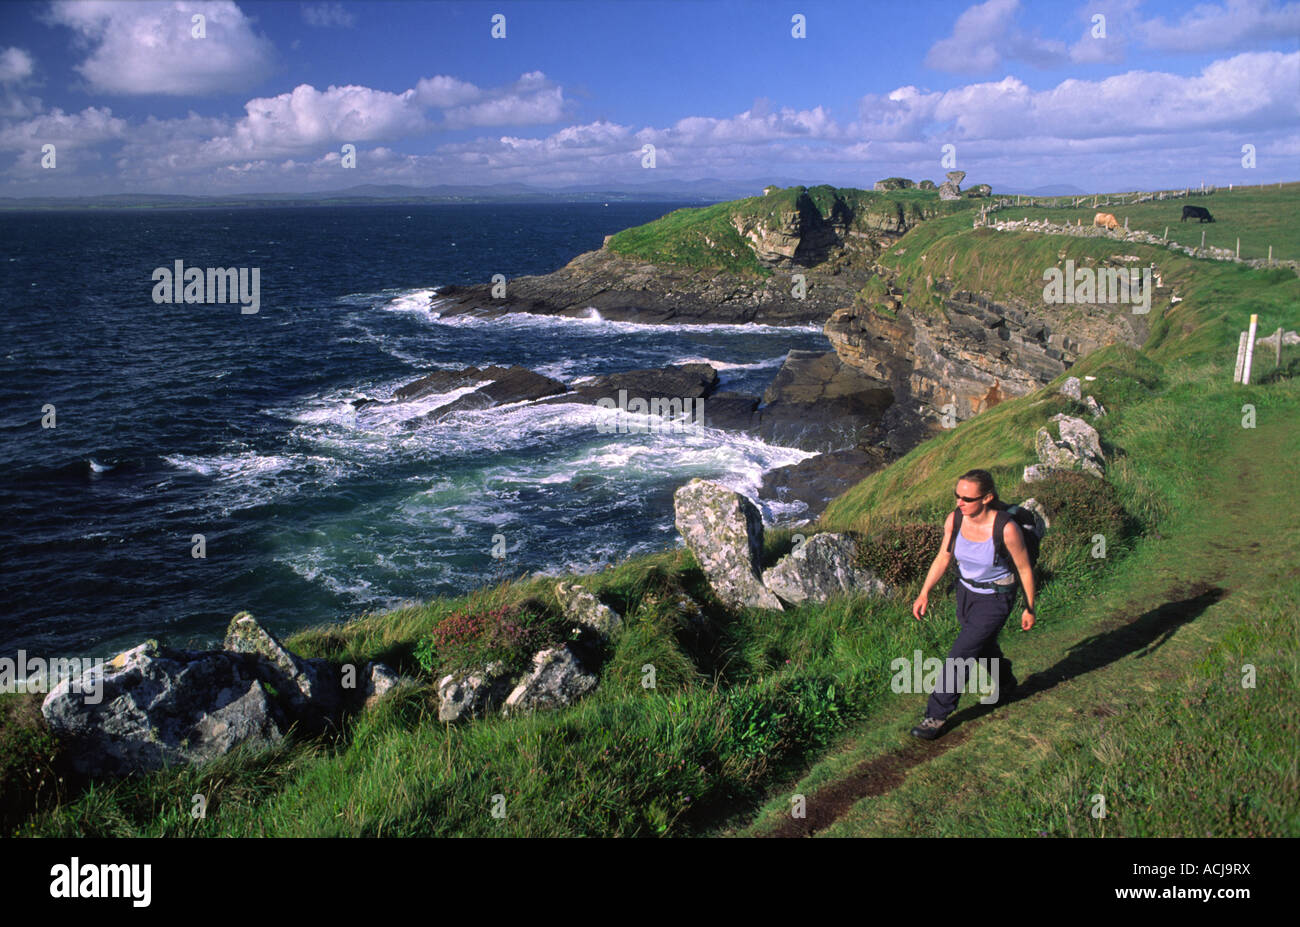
x: 882, y: 774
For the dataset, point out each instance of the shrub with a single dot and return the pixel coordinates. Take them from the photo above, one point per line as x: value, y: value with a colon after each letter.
x: 1079, y: 505
x: 467, y: 639
x: 901, y: 552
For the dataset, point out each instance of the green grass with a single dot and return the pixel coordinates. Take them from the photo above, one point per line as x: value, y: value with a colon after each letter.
x: 707, y: 237
x: 1152, y: 715
x: 749, y: 706
x: 1259, y: 216
x: 743, y: 702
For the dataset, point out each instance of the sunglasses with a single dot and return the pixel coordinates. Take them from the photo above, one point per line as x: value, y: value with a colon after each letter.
x: 964, y: 499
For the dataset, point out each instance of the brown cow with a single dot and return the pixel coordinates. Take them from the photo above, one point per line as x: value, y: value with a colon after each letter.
x: 1105, y: 219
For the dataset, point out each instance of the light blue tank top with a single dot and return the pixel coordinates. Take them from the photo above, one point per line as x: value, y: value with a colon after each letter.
x: 975, y: 561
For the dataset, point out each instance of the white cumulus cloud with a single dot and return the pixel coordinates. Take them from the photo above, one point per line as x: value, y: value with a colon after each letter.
x: 140, y: 47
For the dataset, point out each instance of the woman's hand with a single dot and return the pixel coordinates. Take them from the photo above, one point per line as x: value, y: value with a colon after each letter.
x: 919, y: 606
x: 1026, y: 620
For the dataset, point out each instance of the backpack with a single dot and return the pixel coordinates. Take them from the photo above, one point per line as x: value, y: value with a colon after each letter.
x: 1028, y: 530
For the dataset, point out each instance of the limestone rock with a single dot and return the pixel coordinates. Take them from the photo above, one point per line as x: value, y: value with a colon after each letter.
x: 949, y: 191
x: 824, y: 566
x: 955, y: 177
x: 379, y: 681
x: 472, y: 695
x: 582, y: 607
x: 153, y: 706
x: 1078, y: 448
x: 557, y: 678
x: 1081, y: 436
x: 313, y: 688
x: 1071, y: 388
x: 1095, y: 408
x: 724, y: 531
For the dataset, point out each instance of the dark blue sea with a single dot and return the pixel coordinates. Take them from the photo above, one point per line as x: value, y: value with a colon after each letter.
x: 176, y: 420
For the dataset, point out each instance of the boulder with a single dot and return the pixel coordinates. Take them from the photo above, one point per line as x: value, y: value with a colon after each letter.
x: 379, y: 681
x: 472, y: 695
x: 949, y: 191
x: 155, y: 706
x: 1071, y: 388
x: 822, y: 567
x: 955, y: 177
x: 586, y: 610
x: 312, y: 688
x: 1079, y: 435
x: 557, y: 678
x: 1095, y: 408
x: 724, y: 531
x: 1078, y: 448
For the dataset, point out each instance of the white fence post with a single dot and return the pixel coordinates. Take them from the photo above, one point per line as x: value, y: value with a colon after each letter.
x: 1241, y: 358
x: 1250, y: 349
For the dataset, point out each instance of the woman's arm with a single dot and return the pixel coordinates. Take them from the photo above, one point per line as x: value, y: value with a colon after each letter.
x: 1015, y: 544
x: 937, y: 568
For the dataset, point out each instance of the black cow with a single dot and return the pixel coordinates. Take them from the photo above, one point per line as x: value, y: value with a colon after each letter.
x: 1196, y: 212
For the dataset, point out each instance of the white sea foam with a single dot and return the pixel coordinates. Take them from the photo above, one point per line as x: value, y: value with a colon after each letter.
x: 726, y: 365
x: 521, y: 321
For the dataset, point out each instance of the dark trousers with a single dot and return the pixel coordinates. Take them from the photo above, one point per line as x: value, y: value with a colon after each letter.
x: 980, y: 617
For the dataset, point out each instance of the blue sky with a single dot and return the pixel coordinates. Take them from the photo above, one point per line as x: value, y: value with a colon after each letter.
x: 1026, y: 92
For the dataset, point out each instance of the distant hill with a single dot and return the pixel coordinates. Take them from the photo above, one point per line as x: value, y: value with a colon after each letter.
x: 707, y: 190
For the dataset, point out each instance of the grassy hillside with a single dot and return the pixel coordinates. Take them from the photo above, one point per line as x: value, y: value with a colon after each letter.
x: 706, y: 237
x: 1132, y: 675
x: 1259, y: 216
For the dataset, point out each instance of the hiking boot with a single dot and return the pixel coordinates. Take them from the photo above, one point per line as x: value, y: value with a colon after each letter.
x: 928, y: 729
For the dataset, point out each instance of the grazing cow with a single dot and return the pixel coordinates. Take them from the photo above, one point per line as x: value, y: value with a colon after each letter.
x: 1196, y: 212
x: 1106, y: 220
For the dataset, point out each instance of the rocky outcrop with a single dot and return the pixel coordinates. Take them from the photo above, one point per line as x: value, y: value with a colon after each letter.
x: 159, y: 707
x: 724, y: 531
x: 462, y: 696
x: 311, y: 688
x: 558, y: 677
x: 154, y: 706
x: 972, y: 355
x: 1078, y: 449
x: 819, y: 479
x: 676, y: 381
x: 583, y: 608
x: 818, y: 402
x: 826, y: 238
x: 824, y: 566
x: 893, y: 183
x: 496, y: 386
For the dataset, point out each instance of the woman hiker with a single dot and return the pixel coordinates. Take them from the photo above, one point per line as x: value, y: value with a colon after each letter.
x: 985, y: 593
